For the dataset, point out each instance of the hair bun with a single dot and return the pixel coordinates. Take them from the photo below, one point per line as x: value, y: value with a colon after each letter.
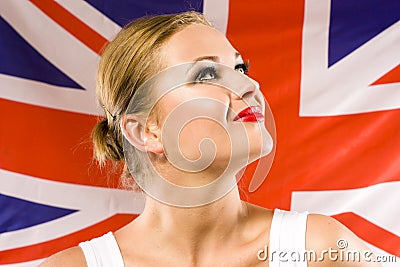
x: 106, y: 142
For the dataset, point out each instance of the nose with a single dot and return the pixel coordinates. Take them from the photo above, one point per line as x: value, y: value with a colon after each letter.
x: 247, y: 89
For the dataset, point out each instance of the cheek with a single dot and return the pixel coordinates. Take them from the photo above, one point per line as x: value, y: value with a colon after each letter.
x: 194, y: 125
x: 204, y: 138
x: 186, y: 104
x: 164, y: 107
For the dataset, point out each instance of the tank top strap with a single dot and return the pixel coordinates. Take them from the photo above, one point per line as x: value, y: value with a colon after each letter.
x: 287, y: 243
x: 102, y: 252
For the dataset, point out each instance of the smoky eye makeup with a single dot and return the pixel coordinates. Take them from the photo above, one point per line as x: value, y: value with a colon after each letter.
x: 207, y: 74
x: 209, y: 71
x: 243, y: 67
x: 204, y: 71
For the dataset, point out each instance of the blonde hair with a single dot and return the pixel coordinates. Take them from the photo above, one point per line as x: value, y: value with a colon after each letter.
x: 126, y: 63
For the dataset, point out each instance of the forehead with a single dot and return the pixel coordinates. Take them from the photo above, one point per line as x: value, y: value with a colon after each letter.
x: 195, y: 41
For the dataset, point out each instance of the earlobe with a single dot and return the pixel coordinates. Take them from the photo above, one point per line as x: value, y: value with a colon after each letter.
x: 152, y: 140
x: 153, y: 145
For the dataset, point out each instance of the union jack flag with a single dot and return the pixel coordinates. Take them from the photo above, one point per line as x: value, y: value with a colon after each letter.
x: 328, y: 68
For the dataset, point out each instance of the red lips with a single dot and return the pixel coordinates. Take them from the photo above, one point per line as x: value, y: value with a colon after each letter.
x: 250, y: 114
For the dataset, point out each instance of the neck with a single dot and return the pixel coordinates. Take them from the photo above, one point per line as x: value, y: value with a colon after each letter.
x: 192, y: 228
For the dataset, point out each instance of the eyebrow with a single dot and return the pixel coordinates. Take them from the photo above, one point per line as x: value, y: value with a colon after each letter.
x: 214, y: 58
x: 210, y: 58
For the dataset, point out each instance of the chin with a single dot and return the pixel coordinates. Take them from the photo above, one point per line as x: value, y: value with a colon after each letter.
x: 261, y: 145
x: 267, y: 146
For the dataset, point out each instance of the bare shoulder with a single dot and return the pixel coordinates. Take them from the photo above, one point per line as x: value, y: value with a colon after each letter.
x: 335, y: 244
x: 72, y: 257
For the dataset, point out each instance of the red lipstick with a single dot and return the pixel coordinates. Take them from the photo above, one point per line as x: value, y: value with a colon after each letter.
x: 250, y: 114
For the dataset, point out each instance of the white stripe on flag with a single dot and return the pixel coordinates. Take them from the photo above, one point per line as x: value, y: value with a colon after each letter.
x: 378, y: 203
x: 46, y: 95
x: 91, y: 17
x: 24, y: 264
x: 217, y: 13
x: 386, y: 259
x: 52, y: 41
x: 344, y: 88
x: 94, y: 204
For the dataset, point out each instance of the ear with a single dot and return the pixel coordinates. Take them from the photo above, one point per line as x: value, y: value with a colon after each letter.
x: 145, y: 138
x: 152, y: 138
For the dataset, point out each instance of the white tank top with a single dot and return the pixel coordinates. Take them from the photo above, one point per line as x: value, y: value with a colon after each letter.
x: 287, y: 239
x: 287, y: 235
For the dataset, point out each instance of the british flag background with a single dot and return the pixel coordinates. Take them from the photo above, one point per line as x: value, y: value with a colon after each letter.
x: 328, y: 68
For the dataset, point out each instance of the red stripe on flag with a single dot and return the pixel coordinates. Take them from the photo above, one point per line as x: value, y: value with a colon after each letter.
x: 390, y: 77
x: 50, y: 144
x: 45, y: 249
x: 72, y: 24
x: 313, y: 153
x: 371, y: 233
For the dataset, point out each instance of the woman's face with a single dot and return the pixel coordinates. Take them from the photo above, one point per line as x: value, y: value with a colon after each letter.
x: 223, y: 118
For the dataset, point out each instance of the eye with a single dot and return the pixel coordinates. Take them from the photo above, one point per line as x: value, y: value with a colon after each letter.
x: 206, y: 74
x: 242, y: 68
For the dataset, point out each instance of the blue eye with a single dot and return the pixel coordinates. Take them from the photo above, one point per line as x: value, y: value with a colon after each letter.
x: 207, y: 74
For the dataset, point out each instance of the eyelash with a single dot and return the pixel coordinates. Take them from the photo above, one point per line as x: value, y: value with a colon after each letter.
x: 211, y: 70
x: 204, y: 72
x: 244, y: 66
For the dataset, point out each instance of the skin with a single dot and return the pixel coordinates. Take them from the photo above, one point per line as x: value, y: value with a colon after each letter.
x: 227, y: 232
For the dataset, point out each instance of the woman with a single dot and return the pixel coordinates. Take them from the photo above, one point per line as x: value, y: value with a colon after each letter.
x: 167, y: 124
